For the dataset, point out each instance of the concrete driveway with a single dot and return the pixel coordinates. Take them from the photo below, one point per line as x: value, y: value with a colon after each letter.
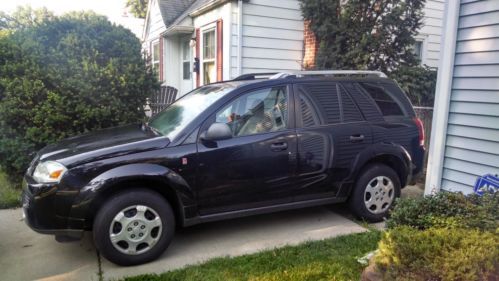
x: 26, y: 255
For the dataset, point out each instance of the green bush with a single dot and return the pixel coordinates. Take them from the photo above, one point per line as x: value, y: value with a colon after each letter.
x: 438, y: 254
x: 62, y: 76
x: 447, y: 210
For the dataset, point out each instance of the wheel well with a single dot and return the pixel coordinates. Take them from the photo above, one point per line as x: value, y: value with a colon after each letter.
x: 393, y: 162
x: 157, y: 186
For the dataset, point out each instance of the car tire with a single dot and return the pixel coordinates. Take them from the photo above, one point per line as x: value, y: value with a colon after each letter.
x: 375, y: 192
x: 133, y: 227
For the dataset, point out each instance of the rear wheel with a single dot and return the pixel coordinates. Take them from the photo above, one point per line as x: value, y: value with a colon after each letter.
x: 134, y: 227
x: 375, y: 192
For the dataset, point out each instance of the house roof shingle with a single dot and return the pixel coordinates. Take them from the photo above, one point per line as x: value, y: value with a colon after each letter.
x: 173, y: 11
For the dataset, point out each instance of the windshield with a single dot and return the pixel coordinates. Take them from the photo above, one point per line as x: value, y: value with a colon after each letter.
x: 178, y: 115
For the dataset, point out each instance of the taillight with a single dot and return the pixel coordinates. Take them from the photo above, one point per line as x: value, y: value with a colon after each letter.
x: 420, y: 126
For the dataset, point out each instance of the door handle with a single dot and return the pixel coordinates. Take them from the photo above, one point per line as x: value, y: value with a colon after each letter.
x: 279, y: 146
x: 357, y: 138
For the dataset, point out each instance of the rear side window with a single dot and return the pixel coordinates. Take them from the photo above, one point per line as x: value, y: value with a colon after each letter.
x: 325, y: 97
x: 383, y: 100
x: 308, y: 113
x: 350, y: 111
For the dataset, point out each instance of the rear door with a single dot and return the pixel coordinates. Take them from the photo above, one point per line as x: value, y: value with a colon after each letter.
x: 331, y: 133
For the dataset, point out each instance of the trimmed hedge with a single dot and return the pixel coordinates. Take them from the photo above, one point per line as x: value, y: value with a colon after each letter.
x: 447, y: 210
x: 438, y: 254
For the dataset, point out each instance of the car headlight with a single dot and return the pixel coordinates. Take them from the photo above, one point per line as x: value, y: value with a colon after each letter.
x: 49, y: 172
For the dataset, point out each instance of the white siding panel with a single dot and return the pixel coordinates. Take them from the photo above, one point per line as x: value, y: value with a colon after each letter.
x: 455, y: 186
x: 474, y: 120
x: 271, y: 53
x: 272, y: 22
x: 272, y: 36
x: 476, y: 70
x: 459, y: 176
x: 476, y: 83
x: 477, y: 58
x: 479, y: 7
x: 491, y: 44
x: 479, y: 20
x: 475, y: 108
x: 468, y: 167
x: 472, y: 156
x: 285, y: 4
x: 271, y: 64
x: 472, y: 144
x: 481, y: 32
x: 476, y: 96
x: 473, y: 132
x: 267, y: 43
x: 272, y: 12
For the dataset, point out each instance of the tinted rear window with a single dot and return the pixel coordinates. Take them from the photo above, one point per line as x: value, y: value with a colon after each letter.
x: 325, y: 96
x: 387, y: 105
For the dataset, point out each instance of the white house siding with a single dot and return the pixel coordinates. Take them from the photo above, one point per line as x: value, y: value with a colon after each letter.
x: 156, y: 24
x: 272, y: 36
x: 431, y: 32
x: 472, y: 140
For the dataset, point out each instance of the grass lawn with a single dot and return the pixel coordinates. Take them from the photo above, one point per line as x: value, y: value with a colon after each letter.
x: 9, y: 193
x: 331, y: 259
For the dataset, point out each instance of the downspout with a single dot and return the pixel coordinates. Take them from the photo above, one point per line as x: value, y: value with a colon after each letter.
x: 240, y: 37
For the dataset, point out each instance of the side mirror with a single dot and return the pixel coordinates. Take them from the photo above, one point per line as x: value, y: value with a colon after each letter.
x: 216, y: 132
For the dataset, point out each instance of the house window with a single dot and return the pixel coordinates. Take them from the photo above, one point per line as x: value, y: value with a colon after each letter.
x: 418, y: 50
x: 155, y: 58
x: 186, y: 61
x: 209, y: 57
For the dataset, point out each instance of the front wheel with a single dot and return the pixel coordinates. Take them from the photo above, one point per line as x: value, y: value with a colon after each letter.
x: 375, y: 192
x: 134, y: 227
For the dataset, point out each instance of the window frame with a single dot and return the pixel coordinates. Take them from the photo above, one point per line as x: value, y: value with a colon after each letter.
x: 212, y: 27
x: 157, y: 62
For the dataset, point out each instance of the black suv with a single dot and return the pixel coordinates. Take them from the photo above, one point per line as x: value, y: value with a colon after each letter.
x: 225, y: 150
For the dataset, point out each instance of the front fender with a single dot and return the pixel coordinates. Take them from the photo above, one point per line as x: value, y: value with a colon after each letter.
x: 163, y: 177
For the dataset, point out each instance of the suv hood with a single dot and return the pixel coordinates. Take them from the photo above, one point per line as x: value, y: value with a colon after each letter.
x: 102, y: 144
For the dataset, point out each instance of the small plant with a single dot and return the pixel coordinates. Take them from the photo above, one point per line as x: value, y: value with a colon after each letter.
x: 438, y: 254
x: 447, y: 210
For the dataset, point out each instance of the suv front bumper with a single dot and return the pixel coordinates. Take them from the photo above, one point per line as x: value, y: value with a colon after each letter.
x: 43, y: 210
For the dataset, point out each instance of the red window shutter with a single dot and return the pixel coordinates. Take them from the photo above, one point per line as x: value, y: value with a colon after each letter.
x: 161, y: 74
x: 219, y: 50
x: 198, y: 55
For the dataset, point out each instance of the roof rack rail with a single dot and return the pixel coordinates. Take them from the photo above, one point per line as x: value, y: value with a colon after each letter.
x: 334, y: 73
x: 253, y: 76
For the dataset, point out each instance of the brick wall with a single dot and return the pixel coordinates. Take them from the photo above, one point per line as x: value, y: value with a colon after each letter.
x: 310, y: 46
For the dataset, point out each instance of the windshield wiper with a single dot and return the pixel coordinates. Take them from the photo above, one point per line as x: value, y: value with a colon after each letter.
x: 152, y: 129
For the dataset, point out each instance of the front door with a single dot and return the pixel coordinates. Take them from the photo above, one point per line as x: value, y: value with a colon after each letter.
x: 185, y: 66
x: 256, y: 167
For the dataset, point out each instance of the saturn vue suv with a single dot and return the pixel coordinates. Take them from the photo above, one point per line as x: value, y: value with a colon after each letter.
x: 257, y: 144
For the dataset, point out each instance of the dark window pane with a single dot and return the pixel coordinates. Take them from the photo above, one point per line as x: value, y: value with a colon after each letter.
x: 186, y: 70
x: 325, y: 96
x: 384, y: 101
x: 309, y: 115
x: 350, y: 111
x: 261, y: 111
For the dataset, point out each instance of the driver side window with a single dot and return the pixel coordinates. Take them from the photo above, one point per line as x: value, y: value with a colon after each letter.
x: 260, y: 111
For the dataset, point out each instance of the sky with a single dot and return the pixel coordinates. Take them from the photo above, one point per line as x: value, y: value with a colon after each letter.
x: 113, y: 9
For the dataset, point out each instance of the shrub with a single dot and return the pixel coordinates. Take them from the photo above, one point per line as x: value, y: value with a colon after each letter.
x: 438, y: 254
x: 447, y: 210
x: 63, y: 76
